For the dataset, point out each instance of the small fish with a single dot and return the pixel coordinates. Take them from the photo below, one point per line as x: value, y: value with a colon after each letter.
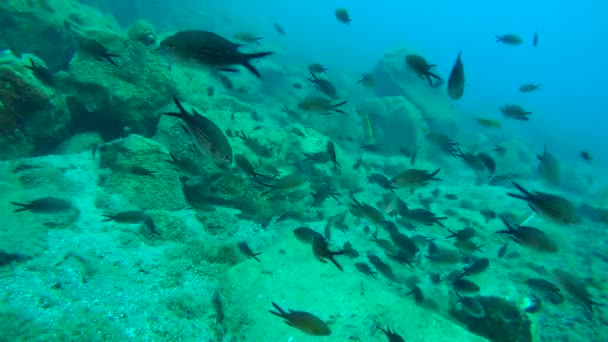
x: 306, y: 235
x: 456, y: 80
x: 421, y: 67
x: 303, y: 321
x: 244, y: 248
x: 535, y: 39
x: 515, y: 112
x: 465, y: 286
x: 502, y: 250
x: 586, y: 157
x: 210, y: 91
x: 478, y: 266
x: 208, y: 48
x: 317, y: 68
x: 320, y: 248
x: 279, y: 28
x: 44, y: 205
x: 331, y: 150
x: 367, y: 80
x: 342, y: 16
x: 321, y: 105
x: 369, y: 132
x: 42, y: 73
x: 93, y: 47
x: 528, y: 88
x: 297, y: 85
x: 206, y: 135
x: 247, y: 37
x: 358, y: 164
x: 392, y: 335
x: 489, y: 123
x: 131, y: 216
x: 324, y: 86
x: 472, y: 306
x: 509, y: 39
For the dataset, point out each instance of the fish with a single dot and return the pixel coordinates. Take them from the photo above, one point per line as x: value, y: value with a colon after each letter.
x: 321, y: 105
x: 414, y: 178
x: 462, y: 234
x: 244, y: 248
x: 515, y: 112
x: 367, y: 80
x: 226, y: 82
x: 320, y: 248
x: 509, y: 39
x: 365, y: 269
x: 369, y: 132
x: 456, y: 80
x: 317, y: 68
x: 549, y: 205
x: 530, y: 237
x: 549, y: 168
x: 306, y: 235
x: 279, y: 28
x: 502, y: 250
x: 478, y: 266
x: 489, y: 123
x: 131, y: 216
x: 576, y: 287
x: 342, y: 16
x: 323, y: 85
x: 303, y: 321
x: 488, y: 161
x: 44, y: 205
x: 421, y: 67
x: 392, y: 335
x: 42, y: 73
x: 471, y: 306
x: 92, y: 46
x: 206, y: 135
x: 382, y: 181
x: 207, y: 48
x: 247, y: 37
x: 331, y: 151
x: 465, y: 286
x: 535, y: 39
x: 528, y: 88
x: 586, y: 157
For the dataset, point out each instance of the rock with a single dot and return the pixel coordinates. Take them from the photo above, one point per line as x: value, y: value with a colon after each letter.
x: 143, y: 32
x: 136, y: 168
x: 80, y: 142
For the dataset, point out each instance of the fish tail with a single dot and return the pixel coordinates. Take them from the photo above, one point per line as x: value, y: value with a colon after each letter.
x: 23, y: 206
x: 179, y: 105
x: 524, y: 191
x: 340, y: 104
x: 248, y: 57
x: 255, y: 256
x: 280, y: 312
x: 499, y: 39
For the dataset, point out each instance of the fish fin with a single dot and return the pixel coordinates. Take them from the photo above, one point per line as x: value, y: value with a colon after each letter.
x: 341, y: 111
x: 281, y: 313
x: 108, y: 57
x: 331, y: 258
x: 249, y: 57
x: 228, y: 70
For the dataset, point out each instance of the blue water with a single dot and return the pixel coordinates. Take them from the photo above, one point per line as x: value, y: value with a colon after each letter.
x: 569, y: 62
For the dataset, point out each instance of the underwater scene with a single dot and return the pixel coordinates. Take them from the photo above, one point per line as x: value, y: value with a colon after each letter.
x: 231, y: 170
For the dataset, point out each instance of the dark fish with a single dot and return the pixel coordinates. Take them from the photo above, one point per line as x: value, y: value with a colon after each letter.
x: 317, y: 68
x: 42, y: 73
x: 226, y: 82
x: 365, y: 269
x: 515, y: 112
x: 527, y: 88
x: 549, y: 168
x: 306, y: 235
x: 244, y: 248
x: 421, y: 67
x: 530, y: 237
x: 358, y: 164
x: 456, y: 80
x: 462, y: 234
x: 535, y: 39
x: 331, y: 150
x: 391, y: 335
x: 247, y: 37
x: 382, y: 181
x: 324, y: 86
x: 509, y: 39
x: 552, y: 206
x: 45, y: 205
x: 465, y: 286
x: 367, y: 80
x: 472, y: 306
x: 297, y: 85
x: 303, y: 321
x: 414, y: 178
x: 131, y: 216
x: 502, y: 250
x: 418, y: 295
x: 478, y: 266
x: 342, y: 16
x: 320, y: 248
x: 279, y: 29
x: 92, y: 46
x: 210, y: 49
x: 206, y: 135
x: 576, y: 287
x: 321, y: 105
x: 488, y: 161
x: 210, y: 91
x: 381, y: 266
x: 586, y: 156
